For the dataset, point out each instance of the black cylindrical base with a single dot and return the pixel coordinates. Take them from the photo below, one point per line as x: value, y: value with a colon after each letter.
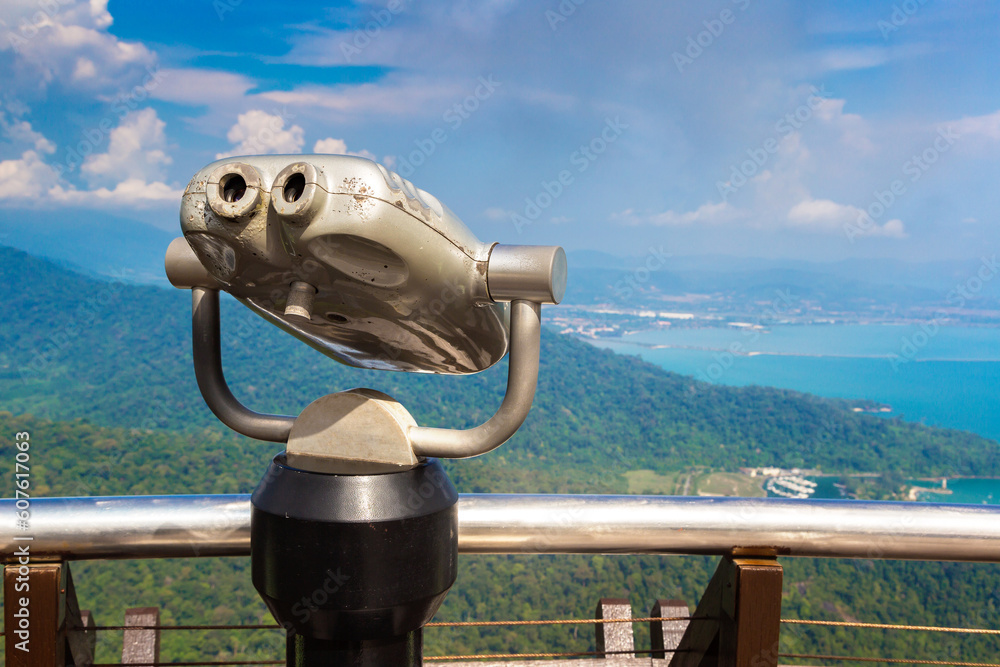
x: 353, y: 566
x: 400, y: 651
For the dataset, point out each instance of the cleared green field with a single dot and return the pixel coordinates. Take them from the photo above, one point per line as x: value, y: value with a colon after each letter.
x: 730, y: 484
x: 651, y: 483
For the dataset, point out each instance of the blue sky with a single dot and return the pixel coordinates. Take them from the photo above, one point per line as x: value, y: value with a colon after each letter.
x: 819, y: 130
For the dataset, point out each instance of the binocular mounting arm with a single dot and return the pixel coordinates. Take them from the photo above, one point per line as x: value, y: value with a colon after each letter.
x: 205, y: 344
x: 522, y: 379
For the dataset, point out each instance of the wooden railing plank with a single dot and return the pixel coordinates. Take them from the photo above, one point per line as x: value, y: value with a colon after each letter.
x: 81, y: 638
x: 616, y: 637
x: 749, y: 633
x: 665, y: 636
x: 141, y: 645
x: 737, y: 621
x: 34, y: 614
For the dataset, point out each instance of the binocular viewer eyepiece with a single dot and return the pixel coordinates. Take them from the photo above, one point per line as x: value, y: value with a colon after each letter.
x: 357, y: 262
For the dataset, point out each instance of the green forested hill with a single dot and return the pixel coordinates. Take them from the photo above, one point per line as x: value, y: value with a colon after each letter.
x: 105, y: 369
x: 77, y: 458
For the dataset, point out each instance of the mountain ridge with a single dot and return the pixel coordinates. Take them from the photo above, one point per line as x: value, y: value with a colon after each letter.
x: 73, y: 334
x: 107, y: 365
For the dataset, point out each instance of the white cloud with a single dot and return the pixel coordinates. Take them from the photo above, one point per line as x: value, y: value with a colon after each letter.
x: 30, y: 181
x: 27, y: 178
x: 854, y: 130
x: 331, y: 146
x: 85, y: 69
x: 708, y: 213
x: 866, y: 57
x: 853, y: 58
x: 257, y: 132
x: 776, y: 197
x: 686, y: 133
x: 188, y: 86
x: 497, y: 213
x: 826, y: 216
x: 131, y: 192
x: 822, y: 215
x: 774, y: 193
x: 478, y: 17
x: 67, y: 42
x: 987, y: 126
x: 136, y: 151
x: 21, y: 132
x: 892, y: 228
x: 393, y: 97
x: 129, y: 173
x: 771, y: 213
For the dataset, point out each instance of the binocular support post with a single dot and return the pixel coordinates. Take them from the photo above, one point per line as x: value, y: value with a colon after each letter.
x: 354, y: 526
x: 207, y: 352
x: 354, y: 565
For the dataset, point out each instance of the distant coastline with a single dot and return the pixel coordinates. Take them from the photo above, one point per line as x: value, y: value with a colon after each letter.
x: 884, y: 365
x: 624, y: 340
x: 914, y: 492
x: 823, y: 486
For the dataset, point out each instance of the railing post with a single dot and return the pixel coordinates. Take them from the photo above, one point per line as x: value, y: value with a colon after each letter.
x: 81, y: 638
x: 738, y: 618
x: 41, y: 615
x: 141, y: 646
x: 614, y: 637
x: 666, y: 635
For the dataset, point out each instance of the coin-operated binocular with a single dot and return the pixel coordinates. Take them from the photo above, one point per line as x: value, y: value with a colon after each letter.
x: 359, y: 264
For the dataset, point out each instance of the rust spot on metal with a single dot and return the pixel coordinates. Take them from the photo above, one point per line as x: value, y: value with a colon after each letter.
x: 356, y: 185
x: 750, y: 552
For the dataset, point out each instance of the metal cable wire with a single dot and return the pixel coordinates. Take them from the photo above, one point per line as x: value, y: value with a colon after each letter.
x: 583, y: 621
x: 187, y: 664
x: 906, y: 661
x: 442, y: 624
x: 497, y: 656
x: 263, y: 626
x: 890, y: 626
x: 574, y: 621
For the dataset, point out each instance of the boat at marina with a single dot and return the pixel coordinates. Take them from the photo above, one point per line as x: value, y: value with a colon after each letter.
x: 790, y: 486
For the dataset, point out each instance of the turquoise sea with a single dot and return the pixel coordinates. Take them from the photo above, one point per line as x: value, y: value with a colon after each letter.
x: 969, y: 491
x: 941, y: 376
x: 973, y: 491
x: 950, y: 378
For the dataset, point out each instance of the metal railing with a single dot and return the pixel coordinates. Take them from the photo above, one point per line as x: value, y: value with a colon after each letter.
x: 208, y: 526
x: 736, y: 622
